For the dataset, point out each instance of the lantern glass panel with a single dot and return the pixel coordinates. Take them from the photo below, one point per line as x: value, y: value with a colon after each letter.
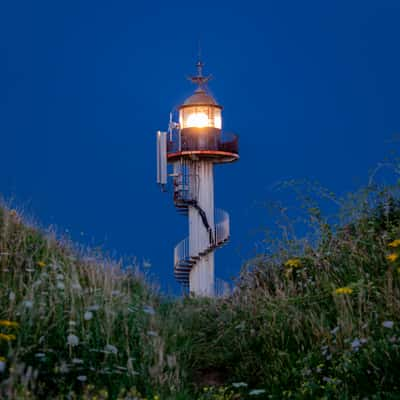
x: 200, y: 117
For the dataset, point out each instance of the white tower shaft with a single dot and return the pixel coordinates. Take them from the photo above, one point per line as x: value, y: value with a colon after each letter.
x: 201, y: 228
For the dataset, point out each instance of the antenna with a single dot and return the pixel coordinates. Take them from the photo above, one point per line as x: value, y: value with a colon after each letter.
x: 200, y: 79
x: 170, y: 127
x: 199, y: 64
x: 162, y: 159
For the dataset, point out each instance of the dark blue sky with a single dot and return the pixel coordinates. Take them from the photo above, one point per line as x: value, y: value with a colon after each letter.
x: 313, y: 89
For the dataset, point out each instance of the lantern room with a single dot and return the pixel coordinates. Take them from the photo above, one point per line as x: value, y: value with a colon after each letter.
x: 200, y: 111
x: 199, y: 131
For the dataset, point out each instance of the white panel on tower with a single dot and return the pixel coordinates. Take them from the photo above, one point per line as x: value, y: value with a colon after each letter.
x: 162, y: 158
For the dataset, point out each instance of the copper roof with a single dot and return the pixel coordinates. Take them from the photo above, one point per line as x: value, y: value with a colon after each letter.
x: 200, y: 97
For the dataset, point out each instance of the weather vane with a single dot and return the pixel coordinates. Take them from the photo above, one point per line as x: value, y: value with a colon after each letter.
x: 199, y: 79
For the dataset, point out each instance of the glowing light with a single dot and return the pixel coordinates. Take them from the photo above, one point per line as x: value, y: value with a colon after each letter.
x: 200, y: 117
x: 218, y: 121
x: 197, y: 120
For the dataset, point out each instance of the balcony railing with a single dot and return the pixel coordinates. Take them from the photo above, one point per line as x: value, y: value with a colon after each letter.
x: 227, y: 142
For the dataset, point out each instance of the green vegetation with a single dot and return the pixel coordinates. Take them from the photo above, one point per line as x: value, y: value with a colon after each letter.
x: 312, y: 318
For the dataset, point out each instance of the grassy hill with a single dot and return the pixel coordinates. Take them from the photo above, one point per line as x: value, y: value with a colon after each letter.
x: 314, y: 319
x: 70, y: 322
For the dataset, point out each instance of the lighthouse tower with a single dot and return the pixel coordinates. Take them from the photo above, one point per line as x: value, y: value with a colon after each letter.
x: 193, y: 146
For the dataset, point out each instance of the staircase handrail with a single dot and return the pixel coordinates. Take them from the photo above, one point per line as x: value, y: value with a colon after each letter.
x: 184, y: 261
x: 181, y: 252
x: 222, y: 226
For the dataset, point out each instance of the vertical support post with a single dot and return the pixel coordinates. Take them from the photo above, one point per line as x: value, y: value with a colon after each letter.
x: 201, y: 279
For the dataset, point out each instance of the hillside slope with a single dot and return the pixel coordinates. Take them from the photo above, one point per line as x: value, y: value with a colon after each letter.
x: 69, y: 322
x: 311, y: 320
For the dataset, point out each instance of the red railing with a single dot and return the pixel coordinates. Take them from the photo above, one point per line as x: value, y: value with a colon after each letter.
x: 221, y: 141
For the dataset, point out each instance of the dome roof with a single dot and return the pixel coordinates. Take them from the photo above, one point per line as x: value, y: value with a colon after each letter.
x: 200, y: 97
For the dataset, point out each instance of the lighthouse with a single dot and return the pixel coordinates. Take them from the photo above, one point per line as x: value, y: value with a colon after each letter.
x: 187, y: 153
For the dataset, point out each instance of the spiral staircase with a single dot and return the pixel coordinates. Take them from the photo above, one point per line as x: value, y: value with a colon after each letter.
x: 184, y: 261
x: 185, y: 185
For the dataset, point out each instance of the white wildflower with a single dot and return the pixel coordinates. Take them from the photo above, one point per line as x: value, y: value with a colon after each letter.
x: 94, y: 307
x: 149, y: 310
x: 37, y: 283
x: 40, y: 355
x: 152, y: 333
x: 171, y: 360
x: 72, y: 340
x: 307, y: 372
x: 110, y: 348
x: 256, y: 392
x: 88, y: 315
x: 64, y: 367
x: 2, y: 366
x: 239, y: 384
x: 388, y: 324
x: 76, y: 286
x: 28, y: 303
x: 355, y: 344
x: 71, y: 323
x: 77, y: 361
x: 55, y: 266
x: 82, y: 378
x: 60, y: 285
x: 335, y: 330
x: 11, y: 296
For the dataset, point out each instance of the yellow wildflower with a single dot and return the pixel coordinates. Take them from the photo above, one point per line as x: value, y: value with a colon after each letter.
x: 293, y: 263
x: 2, y: 359
x: 6, y: 337
x: 344, y: 290
x: 392, y: 257
x: 9, y: 324
x: 41, y: 264
x: 395, y: 243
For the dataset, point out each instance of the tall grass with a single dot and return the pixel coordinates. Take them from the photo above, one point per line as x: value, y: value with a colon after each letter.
x: 310, y: 318
x: 313, y: 319
x: 71, y: 322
